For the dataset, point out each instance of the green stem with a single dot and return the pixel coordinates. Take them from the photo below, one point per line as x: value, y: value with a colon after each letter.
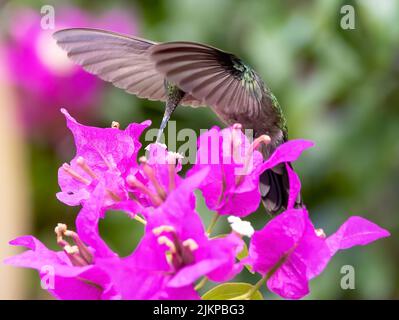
x: 256, y: 287
x: 201, y: 283
x: 248, y: 295
x: 214, y: 220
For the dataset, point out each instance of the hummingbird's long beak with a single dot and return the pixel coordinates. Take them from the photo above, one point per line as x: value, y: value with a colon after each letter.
x: 164, y: 122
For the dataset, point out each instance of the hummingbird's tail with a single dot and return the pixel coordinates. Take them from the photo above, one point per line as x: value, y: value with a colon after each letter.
x: 274, y: 189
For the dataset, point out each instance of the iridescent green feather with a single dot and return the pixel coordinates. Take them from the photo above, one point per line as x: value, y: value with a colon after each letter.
x: 251, y: 81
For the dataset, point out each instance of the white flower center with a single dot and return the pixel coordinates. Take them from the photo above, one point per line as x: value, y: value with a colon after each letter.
x: 241, y: 227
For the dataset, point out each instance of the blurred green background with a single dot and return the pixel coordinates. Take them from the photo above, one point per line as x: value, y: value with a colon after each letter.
x: 337, y: 87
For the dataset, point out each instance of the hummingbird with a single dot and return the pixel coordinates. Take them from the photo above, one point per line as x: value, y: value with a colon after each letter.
x: 189, y: 74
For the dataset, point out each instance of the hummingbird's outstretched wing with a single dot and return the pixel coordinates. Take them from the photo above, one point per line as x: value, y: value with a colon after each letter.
x: 116, y: 58
x: 216, y: 78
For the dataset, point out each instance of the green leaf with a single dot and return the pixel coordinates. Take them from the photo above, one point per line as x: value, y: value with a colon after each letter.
x: 243, y: 254
x: 231, y: 290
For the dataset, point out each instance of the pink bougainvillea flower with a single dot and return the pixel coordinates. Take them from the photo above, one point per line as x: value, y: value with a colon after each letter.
x: 104, y: 158
x: 293, y: 252
x: 176, y: 244
x: 134, y: 283
x: 41, y: 72
x: 89, y: 269
x: 70, y: 281
x: 232, y: 185
x: 75, y: 268
x: 81, y: 274
x: 156, y: 176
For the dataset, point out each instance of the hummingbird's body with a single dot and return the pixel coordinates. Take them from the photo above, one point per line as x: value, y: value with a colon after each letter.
x: 188, y: 73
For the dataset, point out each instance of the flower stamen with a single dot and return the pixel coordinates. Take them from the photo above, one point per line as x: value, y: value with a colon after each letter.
x: 74, y: 174
x: 150, y: 173
x: 79, y: 254
x: 265, y: 139
x: 172, y: 159
x: 135, y: 183
x: 169, y: 243
x: 190, y: 244
x: 236, y: 142
x: 82, y: 249
x: 320, y: 233
x: 71, y: 250
x: 115, y: 125
x: 113, y: 195
x: 83, y: 164
x: 165, y: 228
x: 180, y: 253
x: 172, y: 176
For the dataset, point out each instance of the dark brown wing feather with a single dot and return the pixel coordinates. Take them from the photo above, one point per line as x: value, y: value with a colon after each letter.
x: 116, y: 58
x: 216, y: 78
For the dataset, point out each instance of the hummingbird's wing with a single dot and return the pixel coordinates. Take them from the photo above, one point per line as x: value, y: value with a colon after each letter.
x: 116, y: 58
x: 214, y: 77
